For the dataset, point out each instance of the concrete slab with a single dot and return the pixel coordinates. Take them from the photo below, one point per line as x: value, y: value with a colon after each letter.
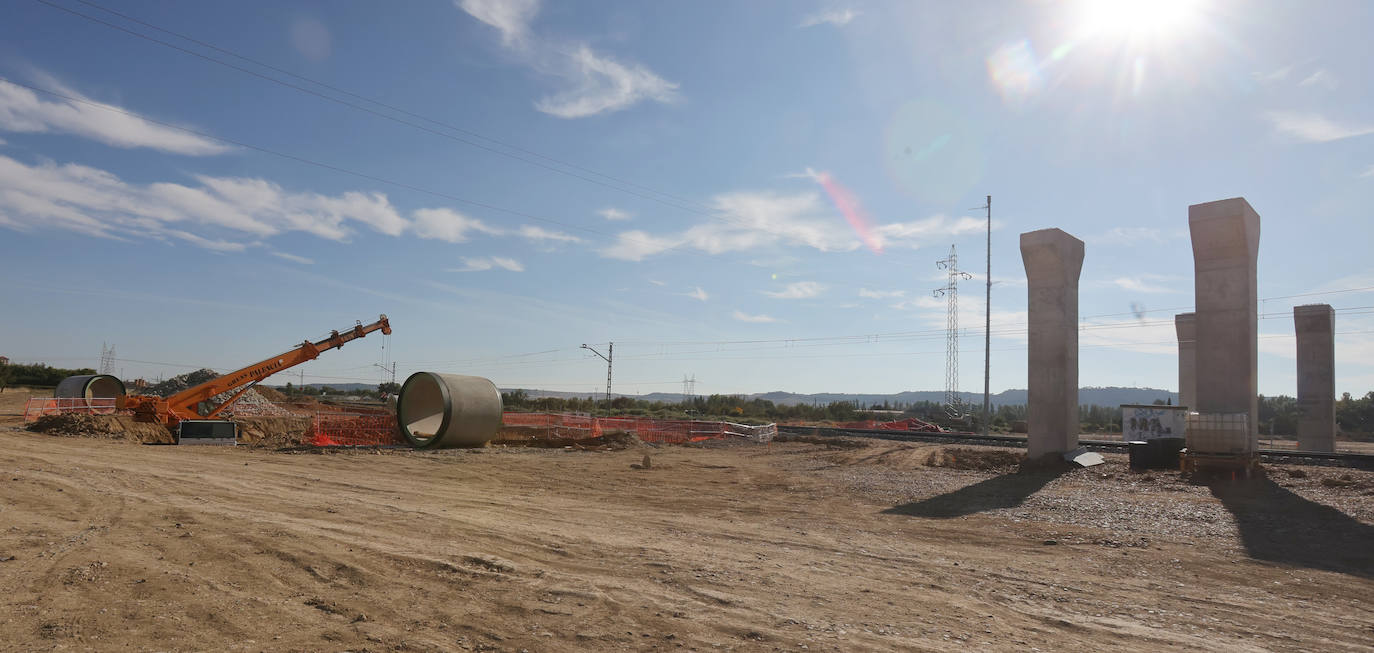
x: 1053, y: 261
x: 1225, y: 238
x: 1316, y: 328
x: 1185, y: 325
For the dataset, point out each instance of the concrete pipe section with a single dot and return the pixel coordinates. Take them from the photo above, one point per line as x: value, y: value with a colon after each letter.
x: 90, y: 386
x: 441, y: 411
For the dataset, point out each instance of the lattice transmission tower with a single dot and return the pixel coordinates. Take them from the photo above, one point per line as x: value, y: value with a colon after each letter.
x: 954, y: 404
x: 107, y: 357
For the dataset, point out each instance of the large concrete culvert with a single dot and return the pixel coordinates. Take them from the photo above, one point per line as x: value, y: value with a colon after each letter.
x: 440, y: 411
x: 89, y: 386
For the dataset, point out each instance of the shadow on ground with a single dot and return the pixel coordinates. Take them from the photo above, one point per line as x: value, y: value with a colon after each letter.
x: 1005, y: 491
x: 1277, y: 525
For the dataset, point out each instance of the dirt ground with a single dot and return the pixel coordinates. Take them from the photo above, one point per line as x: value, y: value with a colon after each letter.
x: 106, y: 544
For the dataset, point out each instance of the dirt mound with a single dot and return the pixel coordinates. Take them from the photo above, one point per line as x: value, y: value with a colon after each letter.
x: 274, y: 431
x: 985, y: 459
x: 117, y: 427
x: 271, y: 394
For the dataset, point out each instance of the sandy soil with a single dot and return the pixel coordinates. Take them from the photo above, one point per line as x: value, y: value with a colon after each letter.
x: 797, y: 546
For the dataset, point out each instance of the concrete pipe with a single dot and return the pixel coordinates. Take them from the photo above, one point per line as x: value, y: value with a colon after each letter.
x: 90, y: 386
x: 441, y: 411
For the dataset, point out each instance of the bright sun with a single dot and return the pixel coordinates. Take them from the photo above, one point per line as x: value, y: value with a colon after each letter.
x: 1137, y: 19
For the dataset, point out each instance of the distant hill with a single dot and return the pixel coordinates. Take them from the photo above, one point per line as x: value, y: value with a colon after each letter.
x: 1111, y: 396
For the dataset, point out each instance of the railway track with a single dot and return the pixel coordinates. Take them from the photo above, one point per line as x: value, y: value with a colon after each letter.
x: 1280, y: 456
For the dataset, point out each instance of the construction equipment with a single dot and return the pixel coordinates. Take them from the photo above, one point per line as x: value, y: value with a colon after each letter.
x: 194, y: 403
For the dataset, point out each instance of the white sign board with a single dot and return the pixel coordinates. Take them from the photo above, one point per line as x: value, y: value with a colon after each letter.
x: 1149, y: 422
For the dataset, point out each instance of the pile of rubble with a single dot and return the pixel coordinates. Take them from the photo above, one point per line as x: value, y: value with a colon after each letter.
x: 251, y: 403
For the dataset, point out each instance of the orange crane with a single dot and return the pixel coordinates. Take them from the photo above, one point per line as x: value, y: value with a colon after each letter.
x: 186, y: 405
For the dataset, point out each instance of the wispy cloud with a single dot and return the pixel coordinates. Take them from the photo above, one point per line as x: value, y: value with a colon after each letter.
x: 798, y: 290
x: 212, y: 213
x: 1314, y: 127
x: 448, y: 225
x: 1274, y: 76
x: 699, y: 294
x: 1323, y: 78
x: 1147, y: 283
x: 600, y: 84
x: 656, y: 282
x: 531, y: 232
x: 614, y: 214
x: 1134, y: 236
x: 756, y: 219
x: 510, y: 17
x: 836, y: 17
x: 22, y: 110
x: 881, y: 294
x: 595, y: 83
x: 293, y: 258
x: 1369, y: 172
x: 484, y: 263
x: 756, y: 319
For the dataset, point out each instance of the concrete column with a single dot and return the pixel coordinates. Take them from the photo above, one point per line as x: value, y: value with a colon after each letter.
x: 1225, y: 252
x: 1316, y: 328
x: 1053, y: 260
x: 1185, y: 324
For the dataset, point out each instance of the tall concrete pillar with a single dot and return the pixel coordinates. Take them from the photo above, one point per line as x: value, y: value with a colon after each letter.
x: 1053, y: 260
x: 1185, y: 325
x: 1225, y: 252
x: 1316, y: 328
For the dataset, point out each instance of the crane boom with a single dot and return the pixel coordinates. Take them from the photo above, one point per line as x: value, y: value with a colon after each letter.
x: 185, y: 404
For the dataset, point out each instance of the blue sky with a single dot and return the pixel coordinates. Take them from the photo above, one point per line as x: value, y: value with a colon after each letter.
x: 752, y: 193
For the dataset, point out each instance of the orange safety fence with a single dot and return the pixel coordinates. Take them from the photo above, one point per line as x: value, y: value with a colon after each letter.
x: 667, y: 431
x: 37, y: 407
x: 354, y: 430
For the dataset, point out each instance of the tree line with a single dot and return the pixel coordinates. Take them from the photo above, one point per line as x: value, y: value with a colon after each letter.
x: 37, y: 375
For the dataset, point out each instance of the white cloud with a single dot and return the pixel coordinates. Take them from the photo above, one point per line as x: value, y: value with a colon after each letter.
x: 3, y: 142
x: 699, y: 294
x: 836, y: 17
x: 755, y: 219
x: 937, y: 227
x: 596, y: 83
x: 1369, y: 172
x: 510, y: 17
x: 614, y: 214
x: 98, y: 203
x: 22, y: 110
x: 757, y: 319
x: 798, y: 290
x: 540, y: 234
x: 656, y: 282
x: 448, y: 225
x: 600, y: 84
x: 635, y: 246
x: 1322, y: 78
x: 881, y: 294
x: 484, y: 263
x: 293, y: 258
x: 1313, y: 127
x: 1147, y: 283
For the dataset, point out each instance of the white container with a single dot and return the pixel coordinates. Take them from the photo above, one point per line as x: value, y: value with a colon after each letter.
x: 1220, y: 433
x: 1142, y: 422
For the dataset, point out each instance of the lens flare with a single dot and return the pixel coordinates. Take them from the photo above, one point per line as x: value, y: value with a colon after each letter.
x: 848, y: 204
x: 1015, y: 72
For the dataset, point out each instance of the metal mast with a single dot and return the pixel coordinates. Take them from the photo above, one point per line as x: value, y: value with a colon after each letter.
x: 987, y: 332
x: 953, y: 403
x: 609, y: 357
